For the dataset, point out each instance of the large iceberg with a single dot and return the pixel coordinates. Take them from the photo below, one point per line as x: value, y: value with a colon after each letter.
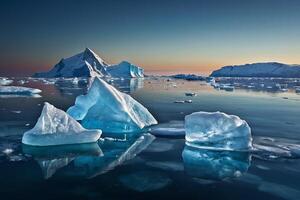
x: 18, y: 90
x: 55, y: 127
x: 217, y: 130
x: 267, y: 69
x: 106, y: 108
x: 214, y: 165
x: 126, y: 70
x: 84, y: 64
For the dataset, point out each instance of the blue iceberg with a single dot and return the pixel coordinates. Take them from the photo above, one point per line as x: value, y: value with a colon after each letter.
x: 217, y: 131
x: 106, y: 108
x: 55, y: 127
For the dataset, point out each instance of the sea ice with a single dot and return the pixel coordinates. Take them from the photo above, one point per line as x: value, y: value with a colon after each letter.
x: 106, y: 108
x: 5, y: 81
x: 217, y: 131
x: 18, y: 90
x: 214, y: 165
x: 170, y: 129
x: 55, y: 127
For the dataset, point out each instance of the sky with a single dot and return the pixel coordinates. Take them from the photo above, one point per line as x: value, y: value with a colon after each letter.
x: 159, y: 35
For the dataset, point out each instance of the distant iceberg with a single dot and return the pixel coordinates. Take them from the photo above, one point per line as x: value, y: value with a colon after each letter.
x: 55, y: 127
x: 84, y: 64
x: 18, y: 90
x: 106, y: 108
x: 126, y: 70
x: 5, y: 81
x: 268, y: 69
x: 89, y: 64
x: 189, y: 77
x: 217, y: 131
x: 214, y: 165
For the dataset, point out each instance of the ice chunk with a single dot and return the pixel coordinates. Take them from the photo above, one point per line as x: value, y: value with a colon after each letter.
x: 214, y: 165
x: 143, y: 181
x: 125, y: 70
x: 170, y: 129
x: 55, y: 127
x: 5, y: 81
x: 13, y: 90
x: 110, y: 110
x: 217, y: 131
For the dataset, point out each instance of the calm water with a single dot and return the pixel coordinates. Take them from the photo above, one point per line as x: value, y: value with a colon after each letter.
x: 145, y: 167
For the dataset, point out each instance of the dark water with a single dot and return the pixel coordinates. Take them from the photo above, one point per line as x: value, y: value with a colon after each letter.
x: 145, y: 167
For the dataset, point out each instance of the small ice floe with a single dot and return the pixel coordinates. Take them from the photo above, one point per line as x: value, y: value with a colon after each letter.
x: 297, y: 90
x: 179, y: 101
x: 188, y: 101
x: 5, y: 81
x: 144, y: 181
x: 216, y: 130
x: 190, y: 94
x: 7, y: 151
x: 226, y: 87
x: 18, y: 90
x: 16, y: 111
x: 106, y: 108
x: 22, y: 82
x: 170, y: 129
x: 55, y: 127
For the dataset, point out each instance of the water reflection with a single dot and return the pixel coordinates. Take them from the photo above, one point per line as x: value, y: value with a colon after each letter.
x: 214, y: 165
x: 77, y: 86
x: 87, y: 160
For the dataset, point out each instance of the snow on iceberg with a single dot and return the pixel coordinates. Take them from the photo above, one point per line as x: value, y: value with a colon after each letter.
x: 18, y: 90
x: 217, y: 131
x: 214, y: 165
x: 84, y: 64
x: 55, y: 127
x: 106, y: 108
x: 126, y: 70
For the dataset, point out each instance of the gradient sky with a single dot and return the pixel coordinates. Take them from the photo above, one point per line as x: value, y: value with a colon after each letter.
x: 159, y: 35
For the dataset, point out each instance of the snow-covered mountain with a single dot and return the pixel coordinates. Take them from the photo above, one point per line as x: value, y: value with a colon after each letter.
x: 125, y: 70
x: 268, y: 69
x: 89, y: 64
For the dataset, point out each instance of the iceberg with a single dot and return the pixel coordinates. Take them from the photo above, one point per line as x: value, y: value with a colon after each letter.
x: 217, y: 130
x: 84, y: 64
x: 55, y: 127
x: 125, y: 70
x: 106, y: 108
x: 18, y: 90
x: 267, y: 69
x: 215, y: 165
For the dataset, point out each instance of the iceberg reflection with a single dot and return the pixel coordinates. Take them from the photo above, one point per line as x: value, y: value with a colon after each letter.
x: 53, y: 158
x: 214, y: 165
x: 87, y: 160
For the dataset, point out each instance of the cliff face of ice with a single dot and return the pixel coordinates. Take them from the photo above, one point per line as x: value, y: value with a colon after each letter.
x: 125, y: 70
x: 268, y: 69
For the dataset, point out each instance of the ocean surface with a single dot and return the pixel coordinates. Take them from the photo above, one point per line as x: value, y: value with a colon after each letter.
x: 154, y: 167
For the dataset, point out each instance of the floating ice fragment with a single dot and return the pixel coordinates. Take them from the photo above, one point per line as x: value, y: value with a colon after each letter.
x: 55, y: 127
x: 110, y: 110
x: 5, y: 81
x: 217, y: 131
x: 170, y: 129
x: 18, y: 90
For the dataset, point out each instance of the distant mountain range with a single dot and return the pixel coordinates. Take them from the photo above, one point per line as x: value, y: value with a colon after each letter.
x: 267, y: 69
x: 89, y: 64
